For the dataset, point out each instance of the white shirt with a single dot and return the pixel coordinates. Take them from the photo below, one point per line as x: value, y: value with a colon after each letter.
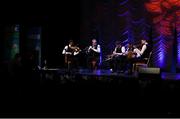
x: 141, y: 52
x: 143, y: 48
x: 98, y: 50
x: 123, y: 50
x: 64, y: 51
x: 127, y: 50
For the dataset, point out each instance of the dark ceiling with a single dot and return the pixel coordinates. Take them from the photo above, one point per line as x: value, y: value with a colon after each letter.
x: 38, y: 11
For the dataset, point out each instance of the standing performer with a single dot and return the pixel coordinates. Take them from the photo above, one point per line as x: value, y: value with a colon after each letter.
x: 94, y: 55
x: 71, y: 51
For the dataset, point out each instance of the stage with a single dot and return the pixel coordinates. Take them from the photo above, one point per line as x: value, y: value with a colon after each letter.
x: 35, y: 38
x: 107, y: 73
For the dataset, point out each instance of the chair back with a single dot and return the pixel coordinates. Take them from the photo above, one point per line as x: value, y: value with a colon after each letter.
x: 150, y: 54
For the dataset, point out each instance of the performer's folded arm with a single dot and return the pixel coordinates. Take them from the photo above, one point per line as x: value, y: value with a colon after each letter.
x: 98, y: 50
x: 143, y: 49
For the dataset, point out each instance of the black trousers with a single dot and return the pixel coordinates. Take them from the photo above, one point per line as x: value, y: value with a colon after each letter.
x: 72, y: 62
x: 90, y: 61
x: 118, y: 63
x: 131, y: 61
x: 76, y: 62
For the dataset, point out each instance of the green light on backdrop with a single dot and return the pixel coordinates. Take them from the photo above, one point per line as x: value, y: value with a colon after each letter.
x: 11, y: 41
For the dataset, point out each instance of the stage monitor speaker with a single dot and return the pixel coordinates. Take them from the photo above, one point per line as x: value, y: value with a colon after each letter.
x: 150, y: 73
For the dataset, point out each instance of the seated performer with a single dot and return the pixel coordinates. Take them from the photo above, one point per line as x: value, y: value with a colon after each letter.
x: 129, y: 51
x: 71, y: 51
x: 144, y: 51
x: 93, y: 55
x: 139, y: 54
x: 117, y: 61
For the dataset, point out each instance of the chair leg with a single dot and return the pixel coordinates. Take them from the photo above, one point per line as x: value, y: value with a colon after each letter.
x: 134, y: 67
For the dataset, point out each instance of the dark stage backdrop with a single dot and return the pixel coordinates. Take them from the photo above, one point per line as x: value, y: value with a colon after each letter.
x: 45, y: 26
x: 106, y: 20
x: 131, y: 20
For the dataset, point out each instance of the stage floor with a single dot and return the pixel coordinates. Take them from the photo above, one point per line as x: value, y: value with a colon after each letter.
x: 108, y: 73
x: 170, y: 76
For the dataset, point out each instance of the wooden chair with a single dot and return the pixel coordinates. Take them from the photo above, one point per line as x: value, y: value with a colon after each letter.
x: 142, y: 64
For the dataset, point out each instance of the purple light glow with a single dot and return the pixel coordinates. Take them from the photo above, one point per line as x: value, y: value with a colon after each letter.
x: 178, y: 50
x: 159, y: 58
x: 124, y: 2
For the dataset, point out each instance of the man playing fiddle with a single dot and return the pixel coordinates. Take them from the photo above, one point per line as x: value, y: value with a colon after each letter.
x: 138, y: 54
x: 71, y: 52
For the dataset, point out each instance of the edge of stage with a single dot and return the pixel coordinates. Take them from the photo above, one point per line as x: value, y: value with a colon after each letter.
x: 108, y: 73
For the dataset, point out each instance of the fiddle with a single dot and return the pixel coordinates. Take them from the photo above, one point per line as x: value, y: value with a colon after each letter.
x: 131, y: 55
x: 75, y: 48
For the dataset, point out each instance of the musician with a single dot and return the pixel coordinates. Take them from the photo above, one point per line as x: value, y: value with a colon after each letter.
x: 139, y: 54
x: 129, y: 48
x: 94, y: 55
x: 144, y: 51
x: 71, y: 51
x: 118, y: 58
